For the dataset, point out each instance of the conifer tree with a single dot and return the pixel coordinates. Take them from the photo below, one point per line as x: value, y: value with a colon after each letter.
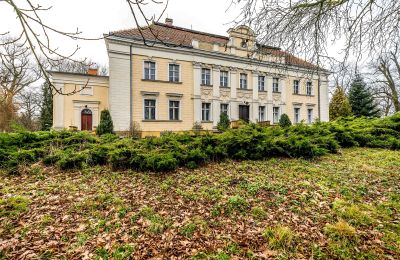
x: 339, y: 105
x: 46, y: 111
x: 361, y: 100
x: 284, y: 121
x: 224, y: 122
x: 106, y: 125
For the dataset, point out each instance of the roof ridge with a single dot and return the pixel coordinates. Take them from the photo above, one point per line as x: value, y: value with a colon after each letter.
x: 191, y: 30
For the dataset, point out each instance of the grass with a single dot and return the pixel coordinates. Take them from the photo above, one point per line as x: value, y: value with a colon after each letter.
x: 342, y: 206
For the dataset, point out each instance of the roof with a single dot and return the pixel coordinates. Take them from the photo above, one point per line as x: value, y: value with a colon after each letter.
x: 183, y: 37
x: 75, y: 73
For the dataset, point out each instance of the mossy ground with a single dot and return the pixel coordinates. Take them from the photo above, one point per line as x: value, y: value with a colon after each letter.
x: 345, y: 205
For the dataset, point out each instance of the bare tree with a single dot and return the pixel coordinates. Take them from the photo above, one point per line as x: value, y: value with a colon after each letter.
x: 17, y: 72
x: 29, y: 103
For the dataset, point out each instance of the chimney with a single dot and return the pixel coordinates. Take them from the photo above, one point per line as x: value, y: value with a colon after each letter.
x: 92, y: 72
x: 169, y: 21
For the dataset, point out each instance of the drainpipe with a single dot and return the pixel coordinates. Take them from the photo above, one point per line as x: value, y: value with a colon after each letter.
x: 130, y: 87
x: 319, y: 95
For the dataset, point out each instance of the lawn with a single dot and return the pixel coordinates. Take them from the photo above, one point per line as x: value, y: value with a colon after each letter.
x: 344, y: 205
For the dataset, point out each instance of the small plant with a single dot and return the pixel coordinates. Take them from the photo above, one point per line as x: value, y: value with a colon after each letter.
x: 157, y: 223
x: 279, y: 237
x: 197, y: 127
x: 123, y: 252
x: 224, y: 122
x: 237, y: 203
x: 13, y: 206
x: 340, y: 230
x: 189, y: 228
x: 258, y: 213
x: 284, y: 121
x: 135, y: 131
x: 106, y: 124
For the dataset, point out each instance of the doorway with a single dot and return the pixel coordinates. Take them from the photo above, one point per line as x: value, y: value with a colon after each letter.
x: 244, y: 113
x: 86, y: 120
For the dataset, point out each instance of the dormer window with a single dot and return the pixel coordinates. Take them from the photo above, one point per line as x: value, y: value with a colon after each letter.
x: 244, y: 44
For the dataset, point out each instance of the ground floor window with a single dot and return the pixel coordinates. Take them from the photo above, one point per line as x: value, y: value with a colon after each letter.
x: 149, y: 109
x: 205, y: 111
x: 275, y: 115
x: 310, y: 115
x: 296, y: 115
x: 174, y: 110
x: 261, y: 113
x: 224, y: 108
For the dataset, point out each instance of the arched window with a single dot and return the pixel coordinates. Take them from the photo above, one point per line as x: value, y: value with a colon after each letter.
x: 86, y: 120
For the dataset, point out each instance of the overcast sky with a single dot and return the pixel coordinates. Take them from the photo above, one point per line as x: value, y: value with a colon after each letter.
x: 95, y: 17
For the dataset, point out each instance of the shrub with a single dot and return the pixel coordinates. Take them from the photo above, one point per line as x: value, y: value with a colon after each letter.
x: 279, y: 237
x: 106, y: 124
x: 224, y: 122
x: 284, y: 121
x: 340, y: 230
x: 135, y: 131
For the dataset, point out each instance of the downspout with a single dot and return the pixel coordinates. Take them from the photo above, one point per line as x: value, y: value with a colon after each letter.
x: 130, y: 87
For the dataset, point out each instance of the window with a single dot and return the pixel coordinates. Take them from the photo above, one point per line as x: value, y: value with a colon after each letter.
x: 296, y: 84
x: 275, y: 85
x: 173, y: 72
x: 149, y: 70
x: 205, y: 111
x: 243, y: 80
x: 309, y: 88
x: 206, y: 77
x: 173, y: 110
x: 261, y: 83
x: 150, y: 109
x: 224, y: 108
x: 275, y: 115
x: 296, y: 115
x: 310, y: 115
x: 261, y: 113
x: 223, y: 79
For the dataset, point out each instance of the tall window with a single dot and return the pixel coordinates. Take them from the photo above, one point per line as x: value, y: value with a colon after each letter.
x: 223, y: 79
x: 275, y: 85
x: 309, y: 115
x: 296, y: 87
x: 173, y: 72
x: 224, y: 108
x: 261, y: 83
x: 261, y: 113
x: 309, y: 88
x: 173, y: 110
x: 243, y: 80
x: 205, y: 76
x: 149, y: 109
x: 150, y: 70
x: 296, y: 115
x: 275, y: 115
x: 205, y: 111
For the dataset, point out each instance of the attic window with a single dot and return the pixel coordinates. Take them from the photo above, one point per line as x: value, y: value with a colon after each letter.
x: 244, y: 44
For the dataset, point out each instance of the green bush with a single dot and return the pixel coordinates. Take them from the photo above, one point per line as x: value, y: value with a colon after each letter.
x: 284, y: 121
x: 106, y: 124
x: 224, y: 122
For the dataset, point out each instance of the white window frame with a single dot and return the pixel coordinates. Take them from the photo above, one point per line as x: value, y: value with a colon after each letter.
x: 204, y: 83
x: 209, y: 112
x: 144, y: 69
x: 227, y: 108
x: 275, y: 90
x: 297, y: 115
x: 227, y: 79
x: 179, y: 72
x: 245, y: 80
x: 179, y: 109
x: 310, y: 117
x: 309, y: 86
x: 261, y: 87
x: 276, y: 120
x: 261, y: 116
x: 144, y: 108
x: 296, y: 86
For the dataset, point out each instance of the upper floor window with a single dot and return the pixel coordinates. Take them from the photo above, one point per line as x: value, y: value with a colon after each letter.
x: 174, y: 110
x: 309, y: 115
x: 261, y: 83
x: 309, y: 88
x: 296, y: 87
x: 206, y: 76
x: 149, y: 109
x: 223, y: 79
x: 224, y: 108
x: 261, y: 113
x: 150, y: 70
x: 173, y: 72
x: 296, y: 115
x: 275, y: 115
x: 205, y: 111
x: 275, y: 85
x: 243, y: 80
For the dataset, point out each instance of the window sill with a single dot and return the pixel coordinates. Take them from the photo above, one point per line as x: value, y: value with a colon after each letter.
x: 245, y: 89
x: 263, y: 91
x: 276, y: 92
x: 162, y: 81
x: 303, y: 95
x: 162, y: 121
x: 224, y: 87
x: 204, y: 85
x: 206, y: 121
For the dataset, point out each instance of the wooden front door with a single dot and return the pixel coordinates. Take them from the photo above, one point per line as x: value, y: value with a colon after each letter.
x: 86, y: 120
x: 244, y: 113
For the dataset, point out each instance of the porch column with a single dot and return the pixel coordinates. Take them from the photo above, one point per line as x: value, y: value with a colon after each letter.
x: 197, y: 91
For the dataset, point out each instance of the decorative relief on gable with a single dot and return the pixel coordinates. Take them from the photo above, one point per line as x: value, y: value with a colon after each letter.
x: 276, y: 97
x: 244, y: 94
x: 225, y: 93
x: 262, y: 96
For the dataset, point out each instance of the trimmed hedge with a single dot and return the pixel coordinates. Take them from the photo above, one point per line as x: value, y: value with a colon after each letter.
x: 69, y: 150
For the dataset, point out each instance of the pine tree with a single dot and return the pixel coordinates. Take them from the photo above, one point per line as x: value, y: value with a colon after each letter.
x: 361, y: 100
x: 284, y: 121
x: 46, y: 112
x: 224, y: 122
x: 106, y: 125
x: 339, y: 105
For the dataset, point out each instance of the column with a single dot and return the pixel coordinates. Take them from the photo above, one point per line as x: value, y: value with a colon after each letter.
x: 255, y: 104
x: 282, y: 86
x: 197, y: 91
x: 233, y: 82
x: 58, y: 117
